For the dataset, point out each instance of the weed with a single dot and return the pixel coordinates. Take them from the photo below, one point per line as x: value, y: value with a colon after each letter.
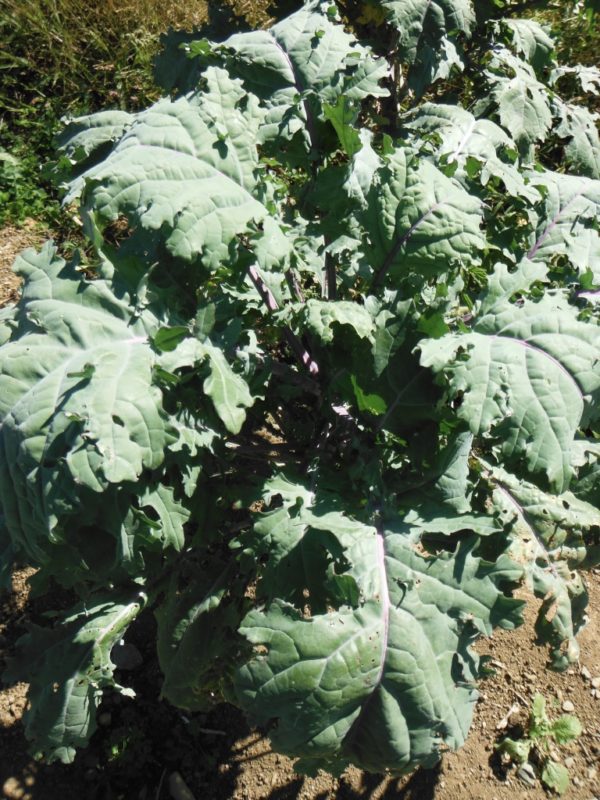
x: 535, y: 749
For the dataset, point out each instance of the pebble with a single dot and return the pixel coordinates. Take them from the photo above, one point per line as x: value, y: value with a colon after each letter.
x: 526, y: 774
x: 568, y: 706
x: 596, y: 683
x: 126, y: 656
x: 569, y: 762
x: 12, y: 789
x: 585, y: 674
x: 178, y: 788
x: 514, y: 715
x: 591, y: 773
x: 511, y: 718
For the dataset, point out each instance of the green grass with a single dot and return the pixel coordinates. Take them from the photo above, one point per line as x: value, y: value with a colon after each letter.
x: 579, y: 36
x: 68, y: 57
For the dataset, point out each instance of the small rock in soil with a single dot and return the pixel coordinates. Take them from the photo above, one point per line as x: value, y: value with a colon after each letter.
x: 569, y: 762
x: 526, y: 774
x: 585, y: 674
x: 126, y: 656
x: 568, y: 706
x: 178, y: 788
x: 11, y: 788
x: 596, y: 683
x: 512, y: 716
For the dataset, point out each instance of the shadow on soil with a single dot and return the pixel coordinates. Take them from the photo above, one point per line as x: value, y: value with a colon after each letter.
x: 140, y: 743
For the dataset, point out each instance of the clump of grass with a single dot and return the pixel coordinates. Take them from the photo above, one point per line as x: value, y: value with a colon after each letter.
x: 76, y: 53
x: 69, y: 57
x: 579, y: 33
x: 66, y: 57
x: 85, y: 56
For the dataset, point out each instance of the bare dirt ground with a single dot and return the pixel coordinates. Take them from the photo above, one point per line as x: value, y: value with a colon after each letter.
x: 145, y: 749
x: 12, y: 241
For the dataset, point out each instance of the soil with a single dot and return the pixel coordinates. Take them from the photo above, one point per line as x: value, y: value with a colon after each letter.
x: 12, y: 241
x: 146, y: 749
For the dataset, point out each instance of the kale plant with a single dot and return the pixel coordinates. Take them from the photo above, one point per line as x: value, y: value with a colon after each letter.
x: 331, y: 390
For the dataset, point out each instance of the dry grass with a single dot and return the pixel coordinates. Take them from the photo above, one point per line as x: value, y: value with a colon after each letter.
x: 92, y: 54
x: 69, y: 57
x: 70, y: 48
